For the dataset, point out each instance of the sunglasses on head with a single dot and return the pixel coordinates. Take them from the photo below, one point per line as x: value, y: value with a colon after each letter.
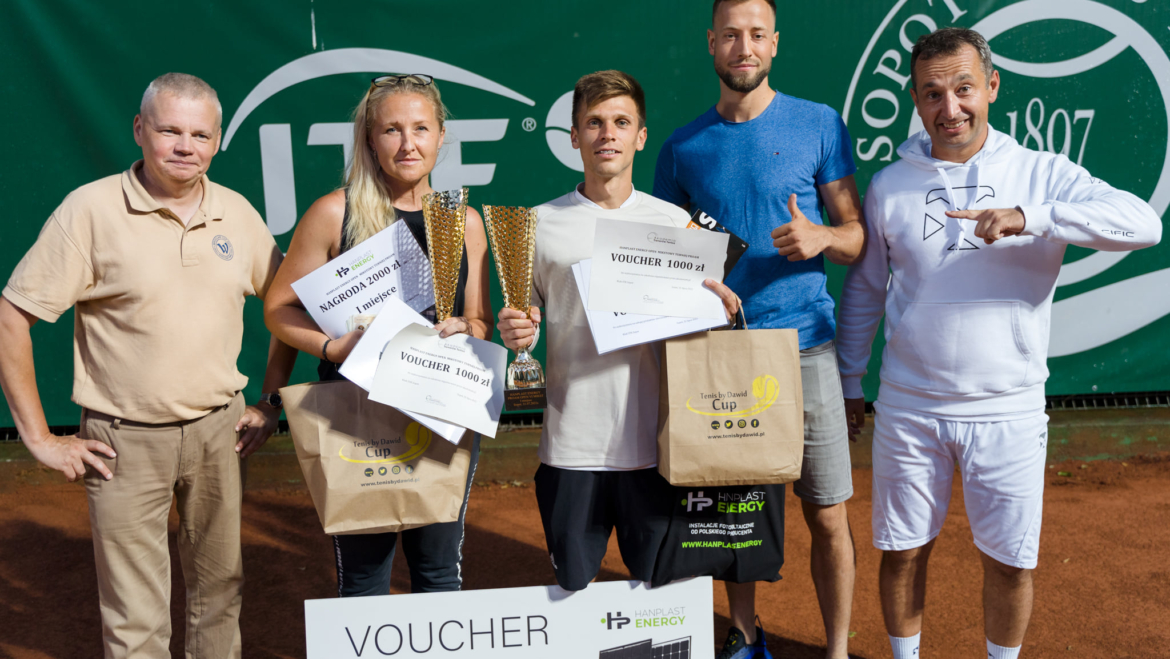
x: 415, y: 78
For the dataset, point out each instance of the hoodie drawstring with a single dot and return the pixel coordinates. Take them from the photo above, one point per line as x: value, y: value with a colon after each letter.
x: 971, y: 201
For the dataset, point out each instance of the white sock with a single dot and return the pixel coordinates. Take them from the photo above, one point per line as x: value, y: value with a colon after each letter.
x: 906, y: 648
x: 996, y: 652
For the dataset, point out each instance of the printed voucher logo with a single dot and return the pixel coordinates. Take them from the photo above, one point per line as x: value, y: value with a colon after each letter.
x: 644, y: 618
x: 765, y: 389
x: 1046, y: 105
x: 612, y: 621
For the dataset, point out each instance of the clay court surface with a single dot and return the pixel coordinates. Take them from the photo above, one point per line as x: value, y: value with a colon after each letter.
x: 1102, y: 587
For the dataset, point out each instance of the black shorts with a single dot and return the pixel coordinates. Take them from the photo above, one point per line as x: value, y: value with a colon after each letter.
x: 579, y: 510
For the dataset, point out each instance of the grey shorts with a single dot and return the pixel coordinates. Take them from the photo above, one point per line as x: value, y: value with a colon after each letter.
x: 826, y: 477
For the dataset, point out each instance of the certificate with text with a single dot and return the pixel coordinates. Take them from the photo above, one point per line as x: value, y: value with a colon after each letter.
x: 459, y: 379
x: 362, y: 363
x: 613, y: 330
x: 656, y: 270
x: 357, y: 283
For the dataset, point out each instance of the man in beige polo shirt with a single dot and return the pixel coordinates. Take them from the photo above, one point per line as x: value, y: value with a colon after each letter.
x: 157, y: 262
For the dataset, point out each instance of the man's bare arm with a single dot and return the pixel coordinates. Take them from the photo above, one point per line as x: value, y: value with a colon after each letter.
x: 18, y: 379
x: 843, y: 205
x: 842, y: 242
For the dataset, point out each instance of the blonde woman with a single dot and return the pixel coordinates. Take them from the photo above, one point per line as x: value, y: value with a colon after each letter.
x: 398, y: 131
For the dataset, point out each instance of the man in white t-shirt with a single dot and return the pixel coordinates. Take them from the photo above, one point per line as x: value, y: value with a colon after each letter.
x: 598, y: 449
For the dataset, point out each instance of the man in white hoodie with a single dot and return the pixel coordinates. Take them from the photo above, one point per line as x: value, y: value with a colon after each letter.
x: 967, y: 235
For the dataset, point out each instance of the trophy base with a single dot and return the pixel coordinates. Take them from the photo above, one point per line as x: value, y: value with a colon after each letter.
x: 522, y: 400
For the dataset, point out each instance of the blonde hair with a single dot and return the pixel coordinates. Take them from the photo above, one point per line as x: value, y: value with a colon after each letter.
x: 369, y: 201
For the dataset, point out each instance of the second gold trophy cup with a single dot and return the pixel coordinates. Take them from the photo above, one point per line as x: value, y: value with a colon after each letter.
x: 512, y: 233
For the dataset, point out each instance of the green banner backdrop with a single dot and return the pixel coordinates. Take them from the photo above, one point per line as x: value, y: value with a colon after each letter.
x: 1090, y: 79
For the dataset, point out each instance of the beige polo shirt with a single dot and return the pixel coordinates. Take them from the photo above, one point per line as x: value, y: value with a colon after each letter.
x: 159, y: 318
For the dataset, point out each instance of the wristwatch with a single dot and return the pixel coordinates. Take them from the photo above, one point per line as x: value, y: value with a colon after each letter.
x: 272, y: 399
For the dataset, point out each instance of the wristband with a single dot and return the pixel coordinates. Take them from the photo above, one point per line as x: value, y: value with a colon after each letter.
x: 325, y: 351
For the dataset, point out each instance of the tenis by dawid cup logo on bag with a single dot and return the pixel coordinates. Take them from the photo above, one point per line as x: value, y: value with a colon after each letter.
x: 388, y: 450
x: 746, y: 402
x: 1089, y: 79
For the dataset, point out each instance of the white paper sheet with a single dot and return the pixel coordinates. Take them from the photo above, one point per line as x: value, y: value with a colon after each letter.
x: 389, y: 264
x: 459, y: 379
x: 362, y: 363
x: 640, y: 268
x: 614, y: 330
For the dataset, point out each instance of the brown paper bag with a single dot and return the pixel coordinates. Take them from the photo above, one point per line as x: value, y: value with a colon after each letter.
x: 731, y: 410
x: 369, y: 467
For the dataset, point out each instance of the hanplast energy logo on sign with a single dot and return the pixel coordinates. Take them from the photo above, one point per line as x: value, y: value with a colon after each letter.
x: 1068, y: 86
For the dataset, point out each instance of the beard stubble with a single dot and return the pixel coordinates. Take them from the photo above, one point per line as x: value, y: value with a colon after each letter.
x: 744, y: 83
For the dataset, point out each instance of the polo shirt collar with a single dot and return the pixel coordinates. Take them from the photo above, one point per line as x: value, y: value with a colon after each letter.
x: 211, y: 208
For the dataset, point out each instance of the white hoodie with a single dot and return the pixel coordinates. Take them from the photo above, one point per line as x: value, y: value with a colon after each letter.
x: 967, y: 323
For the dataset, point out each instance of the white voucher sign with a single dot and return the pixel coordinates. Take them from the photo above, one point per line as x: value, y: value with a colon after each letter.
x: 362, y: 363
x: 607, y: 620
x: 389, y: 264
x: 459, y: 379
x: 640, y: 268
x: 614, y: 330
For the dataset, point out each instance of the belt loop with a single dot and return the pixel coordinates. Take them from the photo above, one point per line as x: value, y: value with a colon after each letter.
x: 117, y: 423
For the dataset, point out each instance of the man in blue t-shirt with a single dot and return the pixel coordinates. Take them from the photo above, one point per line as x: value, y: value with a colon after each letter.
x: 765, y: 165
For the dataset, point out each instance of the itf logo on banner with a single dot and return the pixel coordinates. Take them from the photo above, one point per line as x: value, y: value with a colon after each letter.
x: 451, y: 172
x: 1060, y: 63
x: 543, y: 621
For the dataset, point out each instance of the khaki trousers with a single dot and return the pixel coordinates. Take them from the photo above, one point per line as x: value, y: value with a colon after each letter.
x: 196, y: 462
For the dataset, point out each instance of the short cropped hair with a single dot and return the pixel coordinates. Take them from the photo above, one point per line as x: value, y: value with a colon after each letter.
x: 715, y: 7
x: 949, y: 41
x: 594, y: 88
x: 182, y: 85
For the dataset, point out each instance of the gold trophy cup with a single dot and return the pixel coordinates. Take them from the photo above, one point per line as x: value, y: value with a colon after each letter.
x: 445, y: 214
x: 512, y: 233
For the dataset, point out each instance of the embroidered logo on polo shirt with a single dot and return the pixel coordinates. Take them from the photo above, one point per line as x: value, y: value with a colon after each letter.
x: 223, y: 247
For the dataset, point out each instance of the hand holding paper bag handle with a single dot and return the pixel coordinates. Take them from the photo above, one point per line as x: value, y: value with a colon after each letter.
x: 731, y: 301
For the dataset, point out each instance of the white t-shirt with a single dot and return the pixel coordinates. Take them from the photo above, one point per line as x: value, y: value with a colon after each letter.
x: 602, y: 411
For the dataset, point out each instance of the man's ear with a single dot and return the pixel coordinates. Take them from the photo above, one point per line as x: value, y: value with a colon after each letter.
x: 573, y: 137
x: 711, y: 42
x: 641, y: 141
x: 138, y: 129
x: 993, y: 84
x: 775, y: 43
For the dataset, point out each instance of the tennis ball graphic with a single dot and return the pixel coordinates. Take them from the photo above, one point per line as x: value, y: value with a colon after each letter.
x: 765, y: 387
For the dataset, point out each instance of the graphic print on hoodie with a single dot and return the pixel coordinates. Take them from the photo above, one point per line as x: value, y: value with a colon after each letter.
x: 931, y: 226
x: 967, y: 323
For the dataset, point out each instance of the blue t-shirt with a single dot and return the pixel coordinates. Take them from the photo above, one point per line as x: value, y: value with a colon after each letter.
x: 742, y: 174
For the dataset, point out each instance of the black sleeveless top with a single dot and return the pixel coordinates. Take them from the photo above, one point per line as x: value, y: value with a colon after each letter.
x: 417, y: 225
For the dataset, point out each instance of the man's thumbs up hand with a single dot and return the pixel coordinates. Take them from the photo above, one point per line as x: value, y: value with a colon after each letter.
x: 800, y: 239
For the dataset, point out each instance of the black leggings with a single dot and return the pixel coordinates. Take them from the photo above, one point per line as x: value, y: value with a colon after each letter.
x: 433, y: 554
